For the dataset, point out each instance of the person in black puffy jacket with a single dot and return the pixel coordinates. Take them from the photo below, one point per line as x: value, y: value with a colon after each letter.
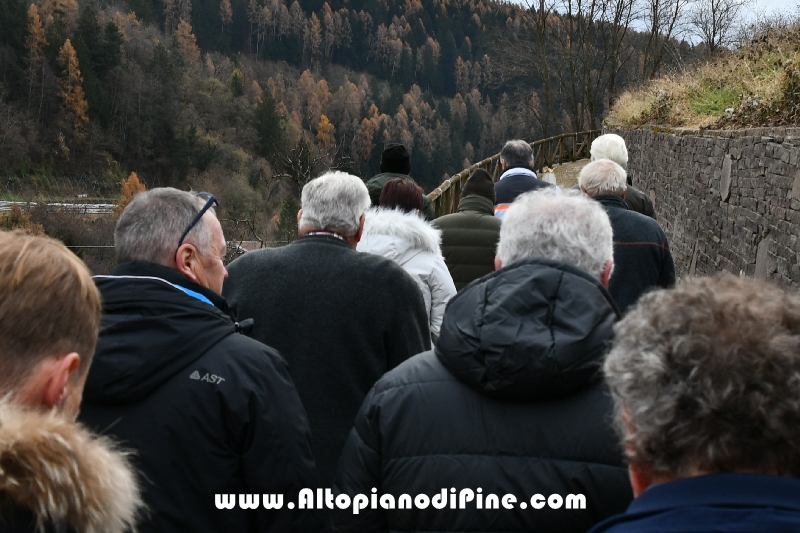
x: 210, y: 413
x: 510, y: 402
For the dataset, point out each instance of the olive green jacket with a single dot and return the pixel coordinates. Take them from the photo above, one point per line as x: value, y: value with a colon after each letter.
x: 375, y: 186
x: 469, y: 239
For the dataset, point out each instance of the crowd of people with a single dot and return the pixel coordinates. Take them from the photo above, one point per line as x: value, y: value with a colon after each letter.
x: 531, y: 348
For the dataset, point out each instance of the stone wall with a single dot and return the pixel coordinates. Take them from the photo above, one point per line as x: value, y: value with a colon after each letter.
x: 727, y: 200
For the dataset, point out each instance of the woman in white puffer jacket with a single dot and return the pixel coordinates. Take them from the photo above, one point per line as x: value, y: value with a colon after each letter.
x: 396, y: 231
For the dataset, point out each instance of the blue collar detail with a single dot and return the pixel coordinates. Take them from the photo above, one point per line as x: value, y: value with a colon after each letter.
x: 194, y: 294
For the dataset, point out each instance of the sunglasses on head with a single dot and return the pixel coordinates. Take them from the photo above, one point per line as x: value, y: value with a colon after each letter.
x: 209, y: 203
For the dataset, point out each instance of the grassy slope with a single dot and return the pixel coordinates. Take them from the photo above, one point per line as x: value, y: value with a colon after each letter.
x: 756, y: 85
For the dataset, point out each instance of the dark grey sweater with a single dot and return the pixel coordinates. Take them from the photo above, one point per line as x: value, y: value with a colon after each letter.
x: 341, y: 318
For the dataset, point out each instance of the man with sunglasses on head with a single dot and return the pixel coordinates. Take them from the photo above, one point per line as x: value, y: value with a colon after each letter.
x: 210, y: 413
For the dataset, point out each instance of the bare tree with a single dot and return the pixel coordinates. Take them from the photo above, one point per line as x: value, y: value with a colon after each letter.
x: 575, y: 50
x: 715, y: 22
x: 663, y: 20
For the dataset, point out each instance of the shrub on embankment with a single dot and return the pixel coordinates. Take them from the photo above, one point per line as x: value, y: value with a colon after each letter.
x: 755, y: 85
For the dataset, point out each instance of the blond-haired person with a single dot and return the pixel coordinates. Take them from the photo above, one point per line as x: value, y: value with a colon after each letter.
x: 55, y: 476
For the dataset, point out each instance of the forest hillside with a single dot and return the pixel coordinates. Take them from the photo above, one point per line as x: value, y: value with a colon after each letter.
x: 252, y: 98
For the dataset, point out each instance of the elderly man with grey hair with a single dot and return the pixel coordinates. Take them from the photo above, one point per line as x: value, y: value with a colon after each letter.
x: 706, y: 382
x: 511, y: 401
x: 642, y: 259
x: 612, y: 146
x: 209, y: 412
x: 516, y: 160
x: 341, y: 318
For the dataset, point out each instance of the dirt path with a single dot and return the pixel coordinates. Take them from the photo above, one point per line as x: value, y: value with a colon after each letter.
x: 567, y: 174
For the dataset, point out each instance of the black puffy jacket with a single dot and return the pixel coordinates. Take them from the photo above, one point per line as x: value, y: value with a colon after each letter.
x: 510, y: 402
x: 207, y: 410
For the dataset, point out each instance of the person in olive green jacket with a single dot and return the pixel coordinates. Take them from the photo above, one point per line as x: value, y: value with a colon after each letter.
x: 469, y: 236
x: 396, y: 163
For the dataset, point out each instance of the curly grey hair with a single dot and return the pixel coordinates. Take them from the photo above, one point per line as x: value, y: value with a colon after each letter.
x: 706, y: 378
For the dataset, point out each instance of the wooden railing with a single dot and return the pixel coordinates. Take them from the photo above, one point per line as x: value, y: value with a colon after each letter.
x: 547, y: 152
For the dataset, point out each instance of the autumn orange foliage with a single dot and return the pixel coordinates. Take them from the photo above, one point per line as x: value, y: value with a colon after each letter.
x: 71, y: 89
x: 17, y: 218
x: 130, y: 188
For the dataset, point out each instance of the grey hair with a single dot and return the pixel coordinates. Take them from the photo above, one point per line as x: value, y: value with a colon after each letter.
x: 603, y: 177
x: 152, y: 224
x: 517, y: 153
x: 560, y: 225
x: 706, y: 378
x: 610, y: 146
x: 334, y: 201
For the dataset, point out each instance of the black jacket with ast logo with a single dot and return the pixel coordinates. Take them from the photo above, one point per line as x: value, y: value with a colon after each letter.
x: 207, y: 410
x: 511, y: 402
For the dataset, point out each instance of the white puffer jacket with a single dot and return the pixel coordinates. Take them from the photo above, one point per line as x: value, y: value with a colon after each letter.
x: 415, y: 245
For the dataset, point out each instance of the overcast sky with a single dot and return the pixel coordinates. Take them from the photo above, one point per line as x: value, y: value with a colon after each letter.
x: 766, y: 7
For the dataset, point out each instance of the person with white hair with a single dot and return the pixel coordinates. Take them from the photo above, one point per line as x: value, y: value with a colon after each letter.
x: 341, y: 318
x: 704, y: 379
x: 642, y: 259
x: 510, y: 402
x: 612, y: 146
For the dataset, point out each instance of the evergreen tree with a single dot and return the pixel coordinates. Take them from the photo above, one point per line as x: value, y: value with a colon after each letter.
x: 286, y: 230
x: 14, y: 24
x: 236, y: 82
x: 269, y: 125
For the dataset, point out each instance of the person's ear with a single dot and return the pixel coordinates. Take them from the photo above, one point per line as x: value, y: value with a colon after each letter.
x: 498, y: 263
x: 584, y: 191
x: 59, y: 371
x: 606, y: 275
x: 360, y: 232
x: 186, y: 259
x: 299, y: 216
x: 624, y: 193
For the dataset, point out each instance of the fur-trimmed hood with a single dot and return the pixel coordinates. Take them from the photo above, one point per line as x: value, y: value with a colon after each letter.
x: 400, y: 231
x: 63, y: 475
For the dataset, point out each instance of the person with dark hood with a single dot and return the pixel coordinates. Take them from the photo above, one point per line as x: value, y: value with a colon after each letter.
x: 396, y: 163
x: 469, y: 236
x: 212, y: 415
x: 510, y: 407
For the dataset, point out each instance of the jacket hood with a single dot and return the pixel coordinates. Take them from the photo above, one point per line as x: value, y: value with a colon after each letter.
x: 392, y: 233
x: 63, y: 475
x: 151, y: 330
x: 473, y: 202
x: 534, y: 330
